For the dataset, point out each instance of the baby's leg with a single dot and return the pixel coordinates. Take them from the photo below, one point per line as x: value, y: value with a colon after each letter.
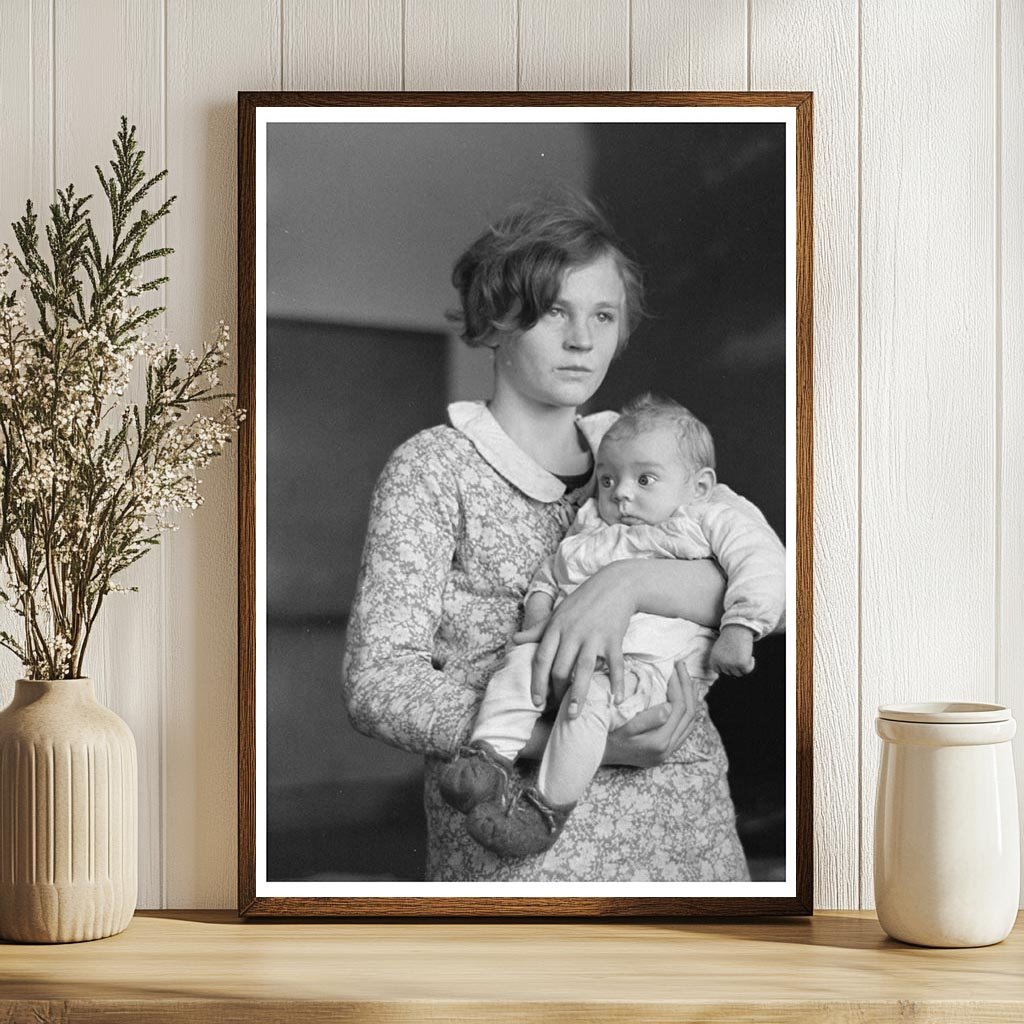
x: 483, y: 770
x: 532, y: 820
x: 576, y: 746
x: 507, y: 714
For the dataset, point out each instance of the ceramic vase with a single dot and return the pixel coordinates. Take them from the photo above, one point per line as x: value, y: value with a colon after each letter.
x: 947, y: 848
x: 68, y: 815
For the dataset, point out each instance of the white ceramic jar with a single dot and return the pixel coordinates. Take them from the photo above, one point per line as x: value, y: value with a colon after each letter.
x: 947, y: 848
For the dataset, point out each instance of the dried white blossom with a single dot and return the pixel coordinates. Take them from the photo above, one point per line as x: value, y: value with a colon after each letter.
x: 92, y: 477
x: 103, y: 428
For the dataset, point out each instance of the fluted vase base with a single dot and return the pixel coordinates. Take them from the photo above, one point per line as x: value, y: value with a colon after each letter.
x: 64, y: 913
x: 68, y: 815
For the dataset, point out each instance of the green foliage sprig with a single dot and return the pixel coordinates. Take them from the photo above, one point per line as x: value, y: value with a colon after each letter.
x: 89, y: 478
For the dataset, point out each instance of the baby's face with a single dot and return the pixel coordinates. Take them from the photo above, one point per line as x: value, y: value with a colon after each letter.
x: 643, y: 479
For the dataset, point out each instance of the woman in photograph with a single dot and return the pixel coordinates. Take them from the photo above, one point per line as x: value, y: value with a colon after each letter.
x: 462, y: 516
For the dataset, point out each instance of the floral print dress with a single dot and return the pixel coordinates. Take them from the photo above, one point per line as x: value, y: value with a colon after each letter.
x: 460, y: 520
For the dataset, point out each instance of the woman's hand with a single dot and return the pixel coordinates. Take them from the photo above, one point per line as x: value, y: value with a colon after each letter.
x: 654, y: 735
x: 589, y: 624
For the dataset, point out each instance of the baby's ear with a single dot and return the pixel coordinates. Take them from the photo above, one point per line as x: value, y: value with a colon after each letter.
x: 704, y: 483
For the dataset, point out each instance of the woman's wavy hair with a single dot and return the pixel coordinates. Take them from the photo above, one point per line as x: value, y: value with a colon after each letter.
x: 511, y: 274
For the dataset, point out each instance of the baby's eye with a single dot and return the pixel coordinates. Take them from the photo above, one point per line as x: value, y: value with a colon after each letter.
x: 644, y: 479
x: 605, y: 481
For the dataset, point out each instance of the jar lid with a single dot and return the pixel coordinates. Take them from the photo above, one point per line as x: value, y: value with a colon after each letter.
x: 945, y: 712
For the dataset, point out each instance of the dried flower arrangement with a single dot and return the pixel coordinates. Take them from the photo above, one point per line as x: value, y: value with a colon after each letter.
x: 88, y: 477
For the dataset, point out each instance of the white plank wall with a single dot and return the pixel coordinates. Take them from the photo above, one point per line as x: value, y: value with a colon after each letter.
x: 130, y: 33
x: 449, y: 46
x: 800, y: 45
x: 574, y: 44
x: 696, y: 45
x: 26, y: 161
x: 919, y: 317
x: 928, y: 516
x: 26, y: 107
x: 1010, y: 366
x: 342, y: 44
x: 226, y: 46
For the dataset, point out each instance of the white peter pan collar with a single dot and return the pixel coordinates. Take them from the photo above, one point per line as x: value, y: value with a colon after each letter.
x: 474, y: 420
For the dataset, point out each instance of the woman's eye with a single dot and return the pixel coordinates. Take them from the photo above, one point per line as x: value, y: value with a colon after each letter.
x: 606, y: 318
x: 556, y: 311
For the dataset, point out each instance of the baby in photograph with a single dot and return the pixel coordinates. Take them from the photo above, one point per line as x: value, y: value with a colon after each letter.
x: 656, y: 498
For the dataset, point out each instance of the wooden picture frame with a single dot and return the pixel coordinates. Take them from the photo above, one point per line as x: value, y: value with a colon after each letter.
x: 300, y: 282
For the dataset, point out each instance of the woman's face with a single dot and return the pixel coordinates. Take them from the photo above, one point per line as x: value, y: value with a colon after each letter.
x: 563, y: 358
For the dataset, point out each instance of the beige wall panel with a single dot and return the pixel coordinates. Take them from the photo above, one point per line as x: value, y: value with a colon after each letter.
x: 213, y: 51
x: 1010, y: 680
x: 936, y: 578
x: 342, y: 44
x: 26, y: 108
x: 690, y: 44
x: 928, y: 408
x: 801, y: 45
x: 26, y: 168
x: 124, y: 654
x: 466, y: 45
x: 574, y: 44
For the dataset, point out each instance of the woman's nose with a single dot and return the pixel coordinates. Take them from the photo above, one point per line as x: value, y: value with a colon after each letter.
x: 578, y: 335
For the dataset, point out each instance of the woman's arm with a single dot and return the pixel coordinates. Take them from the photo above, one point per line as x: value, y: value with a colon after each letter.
x: 591, y: 622
x: 693, y: 589
x: 393, y: 690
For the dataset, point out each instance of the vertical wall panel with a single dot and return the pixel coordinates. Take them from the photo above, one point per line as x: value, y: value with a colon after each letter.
x: 122, y: 656
x: 26, y: 102
x: 928, y: 517
x: 468, y: 45
x: 574, y: 44
x: 213, y: 51
x: 1011, y: 315
x: 689, y: 44
x: 26, y: 172
x: 800, y: 45
x: 342, y: 44
x: 942, y: 266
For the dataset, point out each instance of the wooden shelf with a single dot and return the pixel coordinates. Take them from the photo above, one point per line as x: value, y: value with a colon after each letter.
x: 208, y: 966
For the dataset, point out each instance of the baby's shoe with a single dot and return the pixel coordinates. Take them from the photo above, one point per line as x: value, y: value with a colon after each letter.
x: 479, y: 773
x: 525, y: 825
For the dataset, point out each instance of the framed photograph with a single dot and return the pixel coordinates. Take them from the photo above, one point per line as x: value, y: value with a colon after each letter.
x: 525, y: 504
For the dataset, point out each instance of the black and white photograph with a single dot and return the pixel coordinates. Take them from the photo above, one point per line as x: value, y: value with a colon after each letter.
x: 525, y: 458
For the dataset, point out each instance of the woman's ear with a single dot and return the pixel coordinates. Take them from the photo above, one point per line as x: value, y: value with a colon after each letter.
x: 704, y: 483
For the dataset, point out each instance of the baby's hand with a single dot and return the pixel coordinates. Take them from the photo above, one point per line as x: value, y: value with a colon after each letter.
x: 531, y: 631
x: 535, y: 618
x: 733, y: 652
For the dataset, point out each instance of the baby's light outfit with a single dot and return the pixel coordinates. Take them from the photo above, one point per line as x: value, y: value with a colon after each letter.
x: 754, y: 561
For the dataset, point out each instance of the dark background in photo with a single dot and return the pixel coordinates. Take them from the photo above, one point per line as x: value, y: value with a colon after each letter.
x: 363, y: 225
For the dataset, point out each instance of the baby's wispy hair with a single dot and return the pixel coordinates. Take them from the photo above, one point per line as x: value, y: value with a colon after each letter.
x: 648, y: 412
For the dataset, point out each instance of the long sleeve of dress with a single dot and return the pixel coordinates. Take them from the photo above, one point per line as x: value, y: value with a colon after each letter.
x: 399, y: 686
x: 754, y: 561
